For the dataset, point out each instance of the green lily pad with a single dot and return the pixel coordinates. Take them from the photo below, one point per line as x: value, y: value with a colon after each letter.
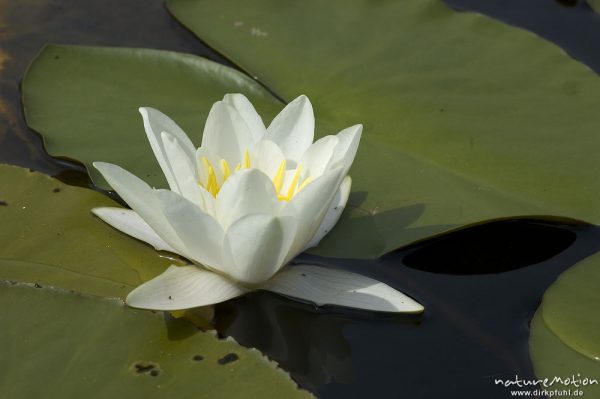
x: 61, y: 345
x: 107, y: 126
x: 570, y: 307
x: 49, y: 236
x: 565, y: 333
x: 466, y: 118
x: 553, y: 358
x: 595, y: 4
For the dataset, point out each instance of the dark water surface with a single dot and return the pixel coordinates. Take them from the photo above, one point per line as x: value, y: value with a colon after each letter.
x: 479, y: 286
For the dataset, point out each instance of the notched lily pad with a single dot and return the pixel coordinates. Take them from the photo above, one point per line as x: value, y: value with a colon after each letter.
x: 101, y: 349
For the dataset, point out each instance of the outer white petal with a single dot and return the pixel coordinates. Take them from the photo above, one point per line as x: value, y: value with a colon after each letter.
x: 183, y: 288
x: 255, y: 245
x: 346, y: 149
x: 335, y: 287
x: 293, y: 129
x: 267, y: 157
x: 245, y: 192
x: 248, y: 114
x: 226, y: 134
x: 310, y: 206
x: 318, y: 156
x: 142, y: 199
x: 155, y: 122
x: 199, y: 232
x: 132, y: 224
x: 182, y: 166
x: 333, y: 214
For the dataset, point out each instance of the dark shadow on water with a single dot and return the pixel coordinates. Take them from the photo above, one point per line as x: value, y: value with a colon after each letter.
x: 475, y: 327
x: 492, y: 247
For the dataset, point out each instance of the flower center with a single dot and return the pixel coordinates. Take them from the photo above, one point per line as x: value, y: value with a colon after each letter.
x: 286, y: 188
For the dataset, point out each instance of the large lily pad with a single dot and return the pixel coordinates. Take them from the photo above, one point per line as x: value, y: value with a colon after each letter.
x: 465, y: 118
x: 101, y: 349
x: 49, y: 236
x: 565, y: 333
x: 85, y: 100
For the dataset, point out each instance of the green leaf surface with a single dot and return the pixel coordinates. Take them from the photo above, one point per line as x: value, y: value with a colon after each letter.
x: 570, y: 307
x: 466, y: 119
x: 595, y: 4
x: 50, y: 237
x: 59, y: 345
x: 565, y: 332
x: 85, y: 100
x: 553, y: 358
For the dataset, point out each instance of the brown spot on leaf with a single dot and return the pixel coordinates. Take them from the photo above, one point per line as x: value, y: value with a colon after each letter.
x: 198, y: 358
x: 228, y: 358
x: 147, y: 368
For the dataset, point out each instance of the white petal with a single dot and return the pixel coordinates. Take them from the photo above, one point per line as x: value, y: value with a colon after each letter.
x: 267, y: 157
x: 293, y: 129
x: 310, y: 206
x: 324, y: 286
x: 155, y: 122
x: 255, y: 245
x: 142, y: 199
x: 132, y: 224
x: 333, y: 214
x: 245, y: 192
x: 248, y: 114
x: 199, y: 232
x: 318, y: 156
x: 182, y: 166
x: 183, y: 288
x: 345, y: 151
x: 226, y: 134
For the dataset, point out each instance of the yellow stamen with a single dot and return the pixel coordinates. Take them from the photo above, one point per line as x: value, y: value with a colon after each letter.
x: 278, y: 179
x: 246, y: 159
x: 293, y: 184
x: 212, y: 186
x: 305, y: 183
x: 225, y: 169
x: 206, y: 163
x: 238, y: 167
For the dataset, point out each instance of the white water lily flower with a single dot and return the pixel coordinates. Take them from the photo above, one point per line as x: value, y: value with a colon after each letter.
x: 241, y: 207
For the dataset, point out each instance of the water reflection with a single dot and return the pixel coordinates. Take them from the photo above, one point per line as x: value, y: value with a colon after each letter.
x: 307, y: 342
